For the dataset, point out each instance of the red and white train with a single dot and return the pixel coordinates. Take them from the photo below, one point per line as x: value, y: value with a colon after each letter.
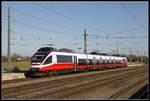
x: 47, y: 61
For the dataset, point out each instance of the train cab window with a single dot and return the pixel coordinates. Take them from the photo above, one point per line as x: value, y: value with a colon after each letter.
x: 48, y: 60
x: 82, y: 62
x: 64, y: 59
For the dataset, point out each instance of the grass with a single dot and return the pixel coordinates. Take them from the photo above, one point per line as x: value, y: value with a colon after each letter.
x: 20, y: 65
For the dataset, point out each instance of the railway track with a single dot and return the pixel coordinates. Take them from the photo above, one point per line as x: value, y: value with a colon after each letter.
x: 124, y: 90
x: 5, y: 82
x: 15, y: 80
x: 62, y: 88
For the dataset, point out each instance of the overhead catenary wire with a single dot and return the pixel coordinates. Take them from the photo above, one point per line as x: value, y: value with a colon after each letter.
x: 98, y: 36
x: 68, y: 17
x: 138, y: 11
x: 38, y: 37
x: 40, y: 18
x: 54, y: 11
x: 39, y: 28
x: 90, y: 35
x: 130, y: 13
x: 81, y: 37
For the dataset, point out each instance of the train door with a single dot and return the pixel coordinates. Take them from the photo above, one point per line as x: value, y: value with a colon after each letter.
x: 75, y: 62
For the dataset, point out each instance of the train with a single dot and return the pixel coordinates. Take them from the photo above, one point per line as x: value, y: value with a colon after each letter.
x: 48, y: 61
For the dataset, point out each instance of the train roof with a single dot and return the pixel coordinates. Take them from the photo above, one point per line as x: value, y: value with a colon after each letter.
x: 89, y: 55
x: 52, y: 49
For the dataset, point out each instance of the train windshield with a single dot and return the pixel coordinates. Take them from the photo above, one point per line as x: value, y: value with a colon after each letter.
x: 39, y: 56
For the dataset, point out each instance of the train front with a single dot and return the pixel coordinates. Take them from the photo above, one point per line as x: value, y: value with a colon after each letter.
x: 36, y: 62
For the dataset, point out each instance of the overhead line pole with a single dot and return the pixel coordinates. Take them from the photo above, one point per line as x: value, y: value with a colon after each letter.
x: 9, y: 39
x: 130, y: 55
x: 117, y: 47
x: 137, y: 55
x: 85, y: 40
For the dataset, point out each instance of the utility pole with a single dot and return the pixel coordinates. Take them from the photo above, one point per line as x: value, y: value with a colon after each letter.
x: 117, y: 48
x: 130, y: 51
x: 132, y: 36
x: 137, y: 54
x: 85, y: 44
x: 130, y: 55
x: 107, y: 36
x: 144, y: 59
x: 9, y: 39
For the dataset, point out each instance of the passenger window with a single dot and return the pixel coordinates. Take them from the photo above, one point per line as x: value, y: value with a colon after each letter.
x: 48, y: 60
x: 107, y: 61
x: 82, y: 62
x: 64, y: 59
x: 97, y: 62
x: 103, y: 61
x: 116, y: 62
x: 91, y: 62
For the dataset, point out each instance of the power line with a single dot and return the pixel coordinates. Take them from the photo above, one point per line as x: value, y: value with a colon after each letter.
x: 39, y: 28
x: 102, y: 37
x: 117, y: 37
x: 98, y: 36
x: 38, y: 37
x: 68, y: 17
x: 130, y: 30
x: 27, y: 14
x: 130, y: 13
x: 138, y: 11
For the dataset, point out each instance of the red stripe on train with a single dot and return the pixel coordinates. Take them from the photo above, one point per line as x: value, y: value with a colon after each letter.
x: 60, y: 66
x: 57, y: 66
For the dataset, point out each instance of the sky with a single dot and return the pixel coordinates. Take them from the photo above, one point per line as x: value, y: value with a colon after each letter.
x: 35, y: 24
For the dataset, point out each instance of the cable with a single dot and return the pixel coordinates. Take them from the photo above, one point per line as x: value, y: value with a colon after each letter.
x: 129, y: 30
x: 27, y: 14
x: 130, y: 13
x: 39, y: 28
x: 138, y: 11
x: 75, y: 20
